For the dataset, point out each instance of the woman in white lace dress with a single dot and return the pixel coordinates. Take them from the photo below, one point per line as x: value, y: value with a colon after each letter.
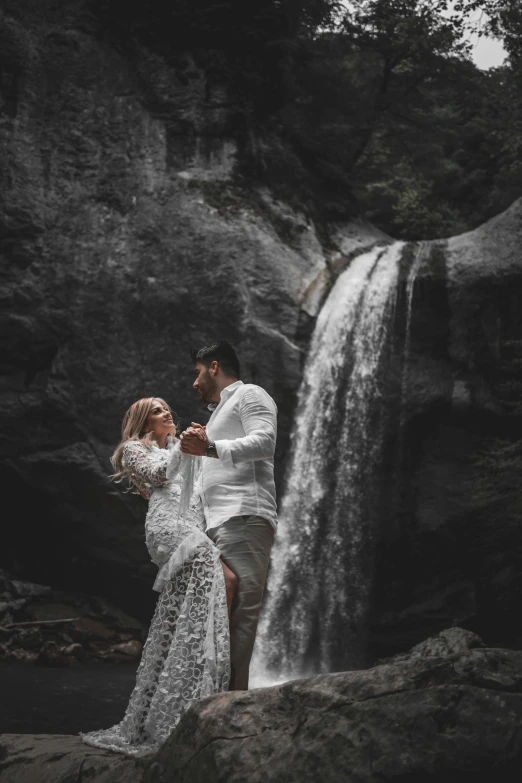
x: 186, y: 655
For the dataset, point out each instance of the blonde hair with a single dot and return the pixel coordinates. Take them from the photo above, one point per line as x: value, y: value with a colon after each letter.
x: 132, y: 426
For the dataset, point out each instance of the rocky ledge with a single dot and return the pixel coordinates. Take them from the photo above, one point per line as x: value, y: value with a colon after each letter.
x: 43, y: 626
x: 448, y: 710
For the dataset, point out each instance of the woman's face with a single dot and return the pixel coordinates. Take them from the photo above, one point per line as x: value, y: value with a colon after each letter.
x: 160, y: 422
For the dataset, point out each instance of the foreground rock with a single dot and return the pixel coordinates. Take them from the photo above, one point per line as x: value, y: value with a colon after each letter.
x: 56, y: 758
x: 449, y: 710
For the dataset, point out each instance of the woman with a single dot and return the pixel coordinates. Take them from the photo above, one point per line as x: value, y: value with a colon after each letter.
x: 186, y: 655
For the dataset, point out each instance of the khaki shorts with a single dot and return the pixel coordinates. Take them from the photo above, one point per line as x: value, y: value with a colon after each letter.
x: 245, y: 543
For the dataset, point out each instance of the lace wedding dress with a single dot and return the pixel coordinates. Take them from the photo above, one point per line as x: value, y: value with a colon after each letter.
x: 186, y: 655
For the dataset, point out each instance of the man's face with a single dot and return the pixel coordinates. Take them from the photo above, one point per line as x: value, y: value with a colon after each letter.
x: 205, y: 383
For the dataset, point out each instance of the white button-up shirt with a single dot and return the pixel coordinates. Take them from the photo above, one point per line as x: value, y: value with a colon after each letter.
x: 244, y: 428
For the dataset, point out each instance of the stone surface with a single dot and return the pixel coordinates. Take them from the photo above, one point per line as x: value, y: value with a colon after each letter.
x: 54, y: 628
x: 450, y: 710
x: 450, y: 549
x: 124, y: 242
x: 57, y: 758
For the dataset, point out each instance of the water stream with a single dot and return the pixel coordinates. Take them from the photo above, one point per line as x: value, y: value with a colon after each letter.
x: 320, y: 576
x: 421, y: 254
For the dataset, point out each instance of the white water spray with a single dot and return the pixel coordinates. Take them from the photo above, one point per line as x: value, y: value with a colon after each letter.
x: 321, y: 567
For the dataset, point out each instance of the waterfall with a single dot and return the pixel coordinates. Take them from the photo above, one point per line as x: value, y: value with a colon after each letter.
x: 421, y: 254
x: 319, y: 582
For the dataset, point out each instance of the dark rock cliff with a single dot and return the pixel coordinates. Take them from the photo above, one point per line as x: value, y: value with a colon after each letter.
x: 127, y: 237
x: 451, y: 544
x: 125, y: 240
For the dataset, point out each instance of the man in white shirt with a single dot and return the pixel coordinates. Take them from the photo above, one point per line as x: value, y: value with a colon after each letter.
x: 238, y: 489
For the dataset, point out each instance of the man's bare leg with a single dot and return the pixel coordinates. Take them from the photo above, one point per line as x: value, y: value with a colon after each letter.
x: 231, y: 583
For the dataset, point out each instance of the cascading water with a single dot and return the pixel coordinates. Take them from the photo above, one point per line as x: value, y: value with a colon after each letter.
x: 421, y: 254
x: 320, y: 576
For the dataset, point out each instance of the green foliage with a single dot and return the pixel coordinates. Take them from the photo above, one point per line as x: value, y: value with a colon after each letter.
x: 449, y: 159
x: 244, y: 44
x: 392, y: 108
x: 372, y: 106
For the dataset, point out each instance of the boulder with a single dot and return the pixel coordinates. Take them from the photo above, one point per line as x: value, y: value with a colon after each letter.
x: 449, y: 710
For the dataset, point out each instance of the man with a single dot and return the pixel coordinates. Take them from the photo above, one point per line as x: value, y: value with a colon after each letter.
x: 238, y: 490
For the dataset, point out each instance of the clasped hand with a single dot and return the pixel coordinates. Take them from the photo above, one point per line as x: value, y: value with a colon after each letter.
x: 194, y: 440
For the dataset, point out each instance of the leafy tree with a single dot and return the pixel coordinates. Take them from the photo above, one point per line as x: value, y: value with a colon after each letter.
x: 374, y: 106
x: 429, y: 143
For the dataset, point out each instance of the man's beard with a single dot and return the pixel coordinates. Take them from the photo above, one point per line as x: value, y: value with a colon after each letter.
x: 208, y: 388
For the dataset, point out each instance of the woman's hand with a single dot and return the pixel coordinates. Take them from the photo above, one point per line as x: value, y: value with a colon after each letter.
x: 201, y: 429
x: 194, y: 440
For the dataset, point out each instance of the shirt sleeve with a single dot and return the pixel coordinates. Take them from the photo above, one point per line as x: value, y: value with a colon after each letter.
x: 258, y: 413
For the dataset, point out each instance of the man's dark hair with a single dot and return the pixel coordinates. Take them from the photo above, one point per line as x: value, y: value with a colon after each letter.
x: 222, y: 352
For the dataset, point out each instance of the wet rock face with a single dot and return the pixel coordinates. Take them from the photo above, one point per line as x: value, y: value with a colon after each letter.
x: 443, y: 712
x: 450, y: 545
x: 123, y: 244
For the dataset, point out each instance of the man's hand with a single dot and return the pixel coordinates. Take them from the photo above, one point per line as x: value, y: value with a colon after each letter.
x: 194, y: 440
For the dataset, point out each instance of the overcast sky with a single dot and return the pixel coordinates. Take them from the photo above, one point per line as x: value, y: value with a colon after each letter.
x: 487, y: 52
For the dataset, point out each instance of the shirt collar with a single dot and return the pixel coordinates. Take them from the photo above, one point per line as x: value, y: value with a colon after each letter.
x: 226, y: 392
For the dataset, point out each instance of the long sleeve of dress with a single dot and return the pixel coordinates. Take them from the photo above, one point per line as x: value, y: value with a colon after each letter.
x: 150, y: 467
